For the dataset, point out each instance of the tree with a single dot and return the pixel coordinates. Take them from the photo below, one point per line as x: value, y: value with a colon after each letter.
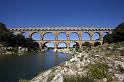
x: 5, y: 35
x: 116, y: 36
x: 9, y: 39
x: 118, y: 33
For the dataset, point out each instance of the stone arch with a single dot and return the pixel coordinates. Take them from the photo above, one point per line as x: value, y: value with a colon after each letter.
x: 86, y: 36
x: 96, y: 36
x: 49, y: 45
x: 62, y: 45
x: 13, y: 33
x: 73, y: 36
x: 61, y: 34
x: 36, y: 36
x: 48, y: 36
x: 74, y: 44
x: 88, y: 44
x: 97, y: 43
x: 17, y: 33
x: 25, y: 34
x: 105, y: 33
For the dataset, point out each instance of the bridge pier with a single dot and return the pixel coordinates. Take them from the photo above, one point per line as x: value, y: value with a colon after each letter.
x: 67, y: 30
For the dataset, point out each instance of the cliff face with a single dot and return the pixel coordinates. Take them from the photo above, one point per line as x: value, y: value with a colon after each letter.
x: 99, y: 64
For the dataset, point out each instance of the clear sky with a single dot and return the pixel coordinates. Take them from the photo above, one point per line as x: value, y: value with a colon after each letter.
x: 36, y: 13
x: 30, y: 13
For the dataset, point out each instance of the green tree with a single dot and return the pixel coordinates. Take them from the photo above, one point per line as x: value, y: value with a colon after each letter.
x: 9, y: 39
x: 116, y: 36
x: 5, y: 35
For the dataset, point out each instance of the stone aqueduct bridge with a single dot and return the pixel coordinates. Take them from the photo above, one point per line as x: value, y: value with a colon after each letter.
x: 67, y: 30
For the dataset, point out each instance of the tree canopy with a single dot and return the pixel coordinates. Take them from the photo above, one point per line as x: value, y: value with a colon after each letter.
x: 9, y: 39
x: 116, y: 36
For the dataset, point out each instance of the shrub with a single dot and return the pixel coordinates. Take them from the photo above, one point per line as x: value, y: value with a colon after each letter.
x: 50, y: 77
x: 109, y: 78
x: 77, y: 79
x: 23, y: 80
x: 97, y: 71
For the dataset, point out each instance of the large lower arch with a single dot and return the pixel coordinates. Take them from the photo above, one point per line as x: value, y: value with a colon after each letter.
x: 62, y: 36
x: 88, y: 44
x: 73, y: 36
x: 36, y: 36
x: 25, y: 34
x: 86, y: 36
x: 105, y: 33
x: 48, y: 36
x: 96, y: 36
x: 61, y: 45
x: 105, y: 37
x: 74, y: 44
x: 13, y: 33
x: 97, y: 43
x: 48, y: 45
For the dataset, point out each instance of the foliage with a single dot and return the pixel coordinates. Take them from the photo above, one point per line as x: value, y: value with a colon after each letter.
x: 77, y: 47
x: 23, y: 80
x: 116, y: 36
x: 50, y: 77
x: 109, y: 78
x: 77, y: 79
x: 10, y: 40
x: 97, y: 71
x: 6, y: 37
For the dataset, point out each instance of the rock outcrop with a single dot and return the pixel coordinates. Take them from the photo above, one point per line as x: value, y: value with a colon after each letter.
x: 108, y: 60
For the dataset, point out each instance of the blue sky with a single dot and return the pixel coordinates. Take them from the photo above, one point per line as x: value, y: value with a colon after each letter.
x: 31, y: 13
x: 36, y: 13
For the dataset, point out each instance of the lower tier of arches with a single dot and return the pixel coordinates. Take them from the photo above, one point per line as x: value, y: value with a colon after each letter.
x: 67, y: 44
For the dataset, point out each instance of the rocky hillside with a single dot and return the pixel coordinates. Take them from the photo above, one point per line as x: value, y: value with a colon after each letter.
x: 100, y: 64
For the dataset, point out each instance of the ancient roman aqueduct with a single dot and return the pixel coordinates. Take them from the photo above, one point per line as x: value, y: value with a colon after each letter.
x: 67, y: 30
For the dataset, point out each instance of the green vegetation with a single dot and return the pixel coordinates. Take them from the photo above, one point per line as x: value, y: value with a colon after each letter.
x: 77, y: 47
x: 97, y: 71
x: 50, y: 77
x: 23, y: 80
x: 116, y: 36
x: 8, y: 39
x: 77, y: 79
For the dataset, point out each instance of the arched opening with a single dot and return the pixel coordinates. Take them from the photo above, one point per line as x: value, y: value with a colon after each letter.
x: 62, y: 36
x: 97, y: 43
x: 105, y: 33
x: 48, y: 36
x: 85, y: 36
x: 35, y: 36
x: 73, y: 36
x: 86, y: 44
x: 74, y: 44
x: 48, y: 45
x: 13, y: 33
x: 25, y: 34
x: 105, y: 37
x: 96, y: 36
x: 62, y: 45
